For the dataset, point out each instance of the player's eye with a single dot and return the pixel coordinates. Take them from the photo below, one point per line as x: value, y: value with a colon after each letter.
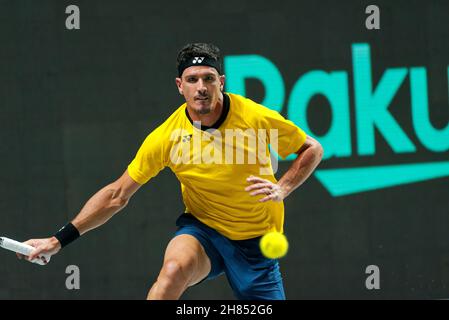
x: 191, y: 79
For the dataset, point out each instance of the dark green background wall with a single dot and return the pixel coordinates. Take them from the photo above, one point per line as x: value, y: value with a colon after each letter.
x: 75, y: 106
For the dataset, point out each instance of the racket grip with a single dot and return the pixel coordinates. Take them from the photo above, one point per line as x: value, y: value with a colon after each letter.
x: 22, y: 248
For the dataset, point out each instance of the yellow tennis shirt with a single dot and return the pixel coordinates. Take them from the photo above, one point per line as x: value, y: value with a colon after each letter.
x: 213, y: 164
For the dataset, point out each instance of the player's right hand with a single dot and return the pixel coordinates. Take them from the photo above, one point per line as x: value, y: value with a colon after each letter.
x: 48, y: 246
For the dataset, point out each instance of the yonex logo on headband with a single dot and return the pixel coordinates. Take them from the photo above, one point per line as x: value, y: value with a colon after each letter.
x: 197, y: 59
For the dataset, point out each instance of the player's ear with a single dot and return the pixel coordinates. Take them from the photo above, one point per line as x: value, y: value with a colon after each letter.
x: 179, y: 85
x: 222, y: 82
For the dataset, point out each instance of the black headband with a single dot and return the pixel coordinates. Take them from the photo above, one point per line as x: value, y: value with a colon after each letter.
x: 198, y: 61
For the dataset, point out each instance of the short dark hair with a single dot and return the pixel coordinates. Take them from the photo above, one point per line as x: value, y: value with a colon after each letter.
x: 198, y: 50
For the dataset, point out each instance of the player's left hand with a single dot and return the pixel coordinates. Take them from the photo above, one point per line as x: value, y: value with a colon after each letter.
x: 272, y: 190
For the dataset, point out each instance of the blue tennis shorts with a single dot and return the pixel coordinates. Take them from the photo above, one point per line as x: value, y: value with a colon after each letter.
x: 251, y: 275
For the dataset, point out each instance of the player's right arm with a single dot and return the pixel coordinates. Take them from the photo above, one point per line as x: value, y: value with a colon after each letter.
x: 149, y: 160
x: 105, y: 203
x: 97, y: 210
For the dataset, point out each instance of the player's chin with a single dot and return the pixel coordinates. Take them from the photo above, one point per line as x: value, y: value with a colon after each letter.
x: 203, y: 109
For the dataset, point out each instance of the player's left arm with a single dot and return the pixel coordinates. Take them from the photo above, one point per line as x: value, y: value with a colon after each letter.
x: 309, y: 156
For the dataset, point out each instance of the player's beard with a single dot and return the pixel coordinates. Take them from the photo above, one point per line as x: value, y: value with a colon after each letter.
x: 203, y: 108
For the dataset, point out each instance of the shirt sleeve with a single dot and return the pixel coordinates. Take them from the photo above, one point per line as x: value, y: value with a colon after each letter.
x: 289, y: 136
x: 150, y: 158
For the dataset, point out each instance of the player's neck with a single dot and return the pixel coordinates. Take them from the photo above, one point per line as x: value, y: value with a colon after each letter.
x: 211, y: 118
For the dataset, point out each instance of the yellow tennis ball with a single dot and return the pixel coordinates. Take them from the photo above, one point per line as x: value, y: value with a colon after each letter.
x: 274, y: 245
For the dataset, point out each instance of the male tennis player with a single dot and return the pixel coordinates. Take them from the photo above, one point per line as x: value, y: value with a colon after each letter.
x: 231, y: 196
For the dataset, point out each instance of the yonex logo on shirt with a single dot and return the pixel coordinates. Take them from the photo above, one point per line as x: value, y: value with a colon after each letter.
x: 186, y: 138
x: 197, y: 59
